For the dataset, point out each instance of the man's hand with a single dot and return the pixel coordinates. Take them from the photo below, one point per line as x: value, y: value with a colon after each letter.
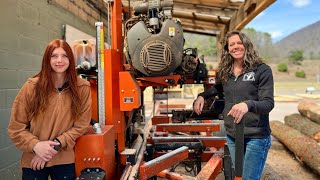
x: 198, y: 105
x: 44, y: 149
x: 238, y: 111
x: 37, y: 163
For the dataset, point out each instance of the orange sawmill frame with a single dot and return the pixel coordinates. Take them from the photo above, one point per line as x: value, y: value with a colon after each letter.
x: 116, y: 86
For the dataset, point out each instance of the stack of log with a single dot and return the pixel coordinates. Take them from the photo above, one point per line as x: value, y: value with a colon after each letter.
x: 301, y: 133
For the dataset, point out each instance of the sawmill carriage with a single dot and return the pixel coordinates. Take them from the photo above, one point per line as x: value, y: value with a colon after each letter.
x: 125, y: 143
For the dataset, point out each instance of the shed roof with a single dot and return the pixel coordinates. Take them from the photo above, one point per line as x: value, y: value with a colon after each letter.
x: 214, y: 17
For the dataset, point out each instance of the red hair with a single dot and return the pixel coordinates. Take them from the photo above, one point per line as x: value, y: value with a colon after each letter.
x: 45, y: 85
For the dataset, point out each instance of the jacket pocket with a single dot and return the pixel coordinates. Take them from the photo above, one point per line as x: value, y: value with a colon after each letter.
x: 228, y: 120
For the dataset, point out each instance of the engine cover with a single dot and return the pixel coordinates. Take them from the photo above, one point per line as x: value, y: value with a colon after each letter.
x: 156, y: 54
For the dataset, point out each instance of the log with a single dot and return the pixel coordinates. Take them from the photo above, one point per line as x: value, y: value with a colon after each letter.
x: 310, y: 110
x: 304, y: 125
x: 305, y: 148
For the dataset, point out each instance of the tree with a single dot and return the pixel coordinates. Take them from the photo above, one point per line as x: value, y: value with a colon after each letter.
x: 296, y: 56
x: 205, y: 44
x: 262, y: 42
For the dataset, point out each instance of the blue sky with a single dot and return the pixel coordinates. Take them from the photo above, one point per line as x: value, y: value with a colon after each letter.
x: 284, y: 17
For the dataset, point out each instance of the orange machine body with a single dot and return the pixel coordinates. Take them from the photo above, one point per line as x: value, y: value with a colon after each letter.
x: 130, y: 92
x: 96, y: 151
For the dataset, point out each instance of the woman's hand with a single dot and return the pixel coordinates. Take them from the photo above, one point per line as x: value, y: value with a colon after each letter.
x: 198, y: 105
x: 37, y: 163
x: 44, y: 149
x: 238, y: 111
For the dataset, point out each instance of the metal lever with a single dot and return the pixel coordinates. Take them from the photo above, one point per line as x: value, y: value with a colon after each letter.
x: 96, y: 127
x: 239, y: 150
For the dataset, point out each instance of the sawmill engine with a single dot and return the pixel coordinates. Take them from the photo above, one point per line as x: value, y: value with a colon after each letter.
x: 154, y: 42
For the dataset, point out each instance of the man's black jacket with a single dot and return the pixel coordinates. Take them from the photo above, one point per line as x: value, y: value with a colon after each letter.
x: 255, y: 88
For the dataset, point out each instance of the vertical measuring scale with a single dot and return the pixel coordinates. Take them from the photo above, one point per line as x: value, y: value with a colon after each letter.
x: 100, y: 62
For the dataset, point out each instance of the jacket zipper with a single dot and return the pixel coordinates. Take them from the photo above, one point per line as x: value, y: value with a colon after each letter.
x: 234, y: 99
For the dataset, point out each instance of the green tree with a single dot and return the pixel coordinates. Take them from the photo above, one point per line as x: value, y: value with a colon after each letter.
x: 301, y: 74
x: 282, y: 67
x: 262, y: 42
x: 206, y: 45
x: 296, y: 56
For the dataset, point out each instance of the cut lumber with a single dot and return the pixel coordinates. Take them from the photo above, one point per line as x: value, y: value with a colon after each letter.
x: 305, y: 148
x: 304, y: 125
x: 310, y: 110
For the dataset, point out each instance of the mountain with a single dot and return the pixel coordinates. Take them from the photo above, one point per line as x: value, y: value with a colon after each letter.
x: 306, y: 39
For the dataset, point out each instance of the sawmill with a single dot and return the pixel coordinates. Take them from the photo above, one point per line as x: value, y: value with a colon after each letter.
x: 147, y: 50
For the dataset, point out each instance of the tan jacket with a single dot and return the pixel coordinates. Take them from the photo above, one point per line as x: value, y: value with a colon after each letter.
x: 55, y: 121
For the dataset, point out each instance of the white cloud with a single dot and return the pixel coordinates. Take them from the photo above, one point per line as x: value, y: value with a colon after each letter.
x: 276, y: 34
x: 300, y: 3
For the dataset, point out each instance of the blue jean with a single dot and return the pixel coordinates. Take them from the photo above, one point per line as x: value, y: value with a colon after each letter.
x: 63, y: 172
x: 255, y: 156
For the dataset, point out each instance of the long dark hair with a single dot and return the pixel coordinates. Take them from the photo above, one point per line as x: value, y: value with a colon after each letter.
x: 45, y: 85
x: 251, y: 57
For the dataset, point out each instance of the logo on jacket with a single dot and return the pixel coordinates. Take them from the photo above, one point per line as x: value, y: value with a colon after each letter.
x: 248, y: 76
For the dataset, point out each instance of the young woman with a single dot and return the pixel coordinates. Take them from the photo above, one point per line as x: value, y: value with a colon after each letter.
x: 247, y: 85
x: 50, y: 112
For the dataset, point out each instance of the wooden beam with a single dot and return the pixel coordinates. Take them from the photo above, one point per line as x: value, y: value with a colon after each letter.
x: 196, y: 8
x: 202, y: 28
x: 223, y: 4
x: 247, y: 12
x: 219, y: 41
x: 201, y: 31
x: 190, y: 22
x: 195, y: 16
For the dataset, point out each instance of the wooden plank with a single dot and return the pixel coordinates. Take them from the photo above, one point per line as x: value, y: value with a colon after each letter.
x: 211, y: 169
x: 188, y: 127
x: 201, y: 17
x: 213, y: 3
x: 196, y: 8
x: 214, y: 25
x: 204, y: 24
x: 161, y: 163
x: 242, y: 17
x: 201, y: 31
